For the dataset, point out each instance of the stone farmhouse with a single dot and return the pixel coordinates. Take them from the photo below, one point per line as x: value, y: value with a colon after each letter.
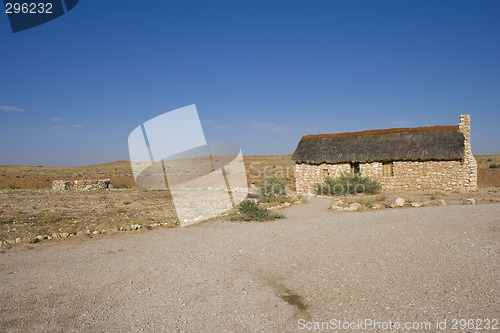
x: 422, y: 158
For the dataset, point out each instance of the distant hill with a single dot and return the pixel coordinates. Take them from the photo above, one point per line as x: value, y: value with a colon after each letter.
x: 120, y: 172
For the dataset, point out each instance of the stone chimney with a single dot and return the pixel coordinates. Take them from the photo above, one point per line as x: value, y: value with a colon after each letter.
x: 469, y: 163
x: 464, y: 127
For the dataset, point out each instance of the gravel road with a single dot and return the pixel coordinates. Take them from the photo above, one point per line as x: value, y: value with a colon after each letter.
x: 401, y: 265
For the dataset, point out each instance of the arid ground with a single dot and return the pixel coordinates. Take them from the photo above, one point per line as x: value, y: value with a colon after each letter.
x: 29, y: 209
x: 408, y: 266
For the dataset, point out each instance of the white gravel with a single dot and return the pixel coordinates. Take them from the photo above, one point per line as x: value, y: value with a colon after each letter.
x: 406, y: 264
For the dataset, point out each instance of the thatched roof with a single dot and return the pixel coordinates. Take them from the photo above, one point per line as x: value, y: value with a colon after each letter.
x: 436, y: 143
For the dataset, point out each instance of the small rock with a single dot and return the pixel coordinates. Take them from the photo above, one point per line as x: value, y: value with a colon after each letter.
x: 64, y: 235
x: 400, y: 202
x: 81, y: 233
x: 441, y: 203
x: 355, y: 206
x: 40, y: 237
x: 18, y: 240
x: 49, y: 237
x: 470, y: 201
x: 88, y: 232
x: 55, y: 235
x: 95, y: 232
x: 416, y: 204
x: 377, y: 206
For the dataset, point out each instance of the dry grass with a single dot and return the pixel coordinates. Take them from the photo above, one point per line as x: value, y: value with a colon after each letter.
x: 28, y: 213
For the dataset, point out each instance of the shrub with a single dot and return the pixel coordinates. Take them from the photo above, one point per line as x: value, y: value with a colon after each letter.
x: 120, y: 210
x: 6, y: 220
x: 14, y: 187
x: 52, y: 218
x: 494, y: 166
x: 348, y: 184
x: 272, y: 188
x: 250, y: 211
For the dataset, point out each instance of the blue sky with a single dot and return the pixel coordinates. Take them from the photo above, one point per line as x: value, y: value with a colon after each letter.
x: 261, y: 73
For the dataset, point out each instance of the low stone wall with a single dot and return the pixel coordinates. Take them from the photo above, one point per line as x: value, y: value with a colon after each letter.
x: 81, y: 185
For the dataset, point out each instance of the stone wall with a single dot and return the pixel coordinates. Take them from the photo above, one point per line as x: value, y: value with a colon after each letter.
x: 306, y: 175
x: 469, y: 164
x: 411, y: 176
x: 81, y: 185
x: 407, y: 175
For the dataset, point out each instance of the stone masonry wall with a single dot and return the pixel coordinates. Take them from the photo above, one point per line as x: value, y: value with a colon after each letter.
x: 306, y: 175
x: 411, y: 176
x: 81, y: 185
x: 469, y: 166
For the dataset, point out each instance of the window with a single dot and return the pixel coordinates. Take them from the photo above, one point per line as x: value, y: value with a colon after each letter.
x: 354, y: 168
x: 325, y: 173
x: 388, y: 169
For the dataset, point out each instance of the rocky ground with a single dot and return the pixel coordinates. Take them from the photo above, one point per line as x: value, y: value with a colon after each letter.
x: 406, y: 265
x: 398, y: 199
x: 27, y: 214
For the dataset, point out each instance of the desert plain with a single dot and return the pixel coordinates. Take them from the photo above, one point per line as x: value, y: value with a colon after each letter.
x: 438, y: 264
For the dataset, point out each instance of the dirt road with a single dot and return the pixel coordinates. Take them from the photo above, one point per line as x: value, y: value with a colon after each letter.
x: 402, y: 265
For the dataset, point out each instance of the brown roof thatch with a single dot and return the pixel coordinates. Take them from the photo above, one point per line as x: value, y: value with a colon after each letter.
x: 436, y: 143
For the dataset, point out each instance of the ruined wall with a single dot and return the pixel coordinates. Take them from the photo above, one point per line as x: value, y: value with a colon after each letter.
x: 81, y: 185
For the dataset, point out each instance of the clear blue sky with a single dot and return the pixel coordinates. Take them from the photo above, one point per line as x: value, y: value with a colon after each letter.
x: 261, y: 73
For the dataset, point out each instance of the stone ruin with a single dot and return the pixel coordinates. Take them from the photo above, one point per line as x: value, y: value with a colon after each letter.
x: 81, y: 185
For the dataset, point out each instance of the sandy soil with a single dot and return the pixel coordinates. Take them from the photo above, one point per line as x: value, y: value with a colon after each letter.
x: 405, y: 265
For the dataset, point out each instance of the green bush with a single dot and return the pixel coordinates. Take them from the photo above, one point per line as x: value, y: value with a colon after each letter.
x: 348, y: 184
x: 250, y: 211
x: 51, y: 218
x: 272, y: 189
x: 122, y: 186
x: 494, y: 166
x: 14, y: 187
